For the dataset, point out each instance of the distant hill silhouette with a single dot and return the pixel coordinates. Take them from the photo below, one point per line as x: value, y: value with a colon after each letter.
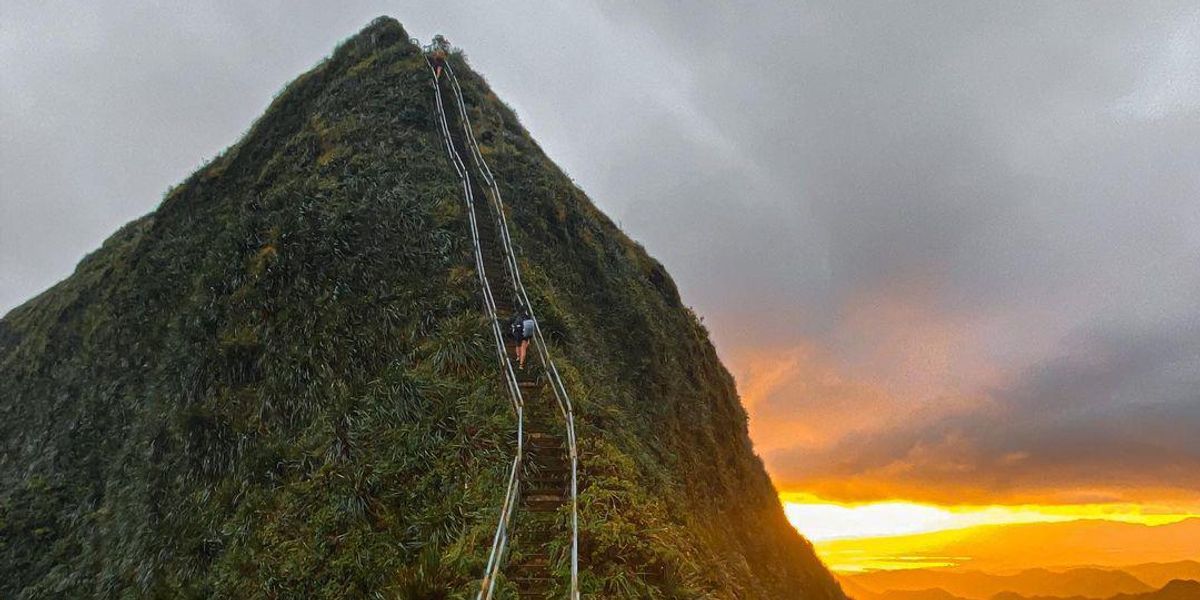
x: 1177, y: 589
x: 930, y: 594
x: 1159, y: 574
x: 856, y: 591
x: 975, y: 585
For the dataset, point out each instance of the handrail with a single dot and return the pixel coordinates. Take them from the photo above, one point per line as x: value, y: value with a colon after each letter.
x: 512, y: 494
x: 560, y: 390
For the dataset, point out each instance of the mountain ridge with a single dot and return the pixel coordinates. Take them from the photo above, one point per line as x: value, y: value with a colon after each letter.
x: 978, y: 585
x: 1176, y: 589
x: 277, y: 383
x: 1035, y: 584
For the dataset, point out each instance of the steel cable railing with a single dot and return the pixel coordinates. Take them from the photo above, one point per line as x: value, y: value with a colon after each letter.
x: 512, y: 494
x: 560, y: 390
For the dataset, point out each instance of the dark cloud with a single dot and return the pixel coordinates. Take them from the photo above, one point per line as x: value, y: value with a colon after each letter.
x: 1111, y: 419
x: 1030, y: 173
x: 998, y: 151
x: 964, y: 228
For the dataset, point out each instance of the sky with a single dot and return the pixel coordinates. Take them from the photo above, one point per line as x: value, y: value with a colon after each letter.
x: 948, y: 249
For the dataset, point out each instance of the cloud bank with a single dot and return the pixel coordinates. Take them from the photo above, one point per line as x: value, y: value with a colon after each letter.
x: 949, y: 249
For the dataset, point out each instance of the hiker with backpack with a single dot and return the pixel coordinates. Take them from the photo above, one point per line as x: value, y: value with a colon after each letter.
x: 439, y: 59
x: 522, y: 326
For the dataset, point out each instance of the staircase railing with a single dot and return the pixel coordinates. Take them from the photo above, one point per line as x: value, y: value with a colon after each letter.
x: 511, y: 496
x: 543, y: 352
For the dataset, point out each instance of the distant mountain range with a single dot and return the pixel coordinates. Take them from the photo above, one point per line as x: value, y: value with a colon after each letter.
x: 1158, y: 574
x: 1150, y: 581
x: 1090, y: 582
x: 1178, y: 589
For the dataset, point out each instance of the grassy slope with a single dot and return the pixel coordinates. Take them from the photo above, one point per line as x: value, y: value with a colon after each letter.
x: 278, y: 382
x: 664, y: 435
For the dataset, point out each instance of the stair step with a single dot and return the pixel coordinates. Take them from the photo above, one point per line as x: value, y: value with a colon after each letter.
x: 532, y: 421
x: 529, y: 541
x: 547, y: 461
x: 543, y: 534
x: 557, y: 484
x: 542, y: 480
x: 542, y: 462
x: 554, y: 486
x: 544, y: 474
x: 547, y: 469
x: 546, y: 532
x: 529, y: 571
x: 534, y: 559
x: 562, y: 476
x: 531, y: 582
x: 546, y: 504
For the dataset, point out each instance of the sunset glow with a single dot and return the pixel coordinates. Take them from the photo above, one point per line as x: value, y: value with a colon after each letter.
x: 822, y: 521
x: 855, y: 537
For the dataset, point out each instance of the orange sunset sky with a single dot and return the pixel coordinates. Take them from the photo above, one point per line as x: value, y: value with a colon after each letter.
x: 948, y: 251
x: 895, y: 458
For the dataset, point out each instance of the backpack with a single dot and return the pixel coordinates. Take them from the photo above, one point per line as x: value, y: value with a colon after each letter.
x: 527, y: 328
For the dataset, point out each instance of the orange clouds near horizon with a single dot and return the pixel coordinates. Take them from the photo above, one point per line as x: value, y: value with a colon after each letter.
x: 1015, y: 547
x: 904, y: 400
x: 898, y: 441
x: 905, y: 535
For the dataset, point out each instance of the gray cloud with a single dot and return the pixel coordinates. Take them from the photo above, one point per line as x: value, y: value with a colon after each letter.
x: 1112, y: 419
x: 842, y: 177
x: 995, y: 151
x: 1030, y: 173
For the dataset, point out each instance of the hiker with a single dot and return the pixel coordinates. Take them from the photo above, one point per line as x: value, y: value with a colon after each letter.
x: 522, y: 331
x: 439, y: 59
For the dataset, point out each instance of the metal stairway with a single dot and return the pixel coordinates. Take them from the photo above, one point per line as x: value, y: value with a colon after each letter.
x: 544, y: 473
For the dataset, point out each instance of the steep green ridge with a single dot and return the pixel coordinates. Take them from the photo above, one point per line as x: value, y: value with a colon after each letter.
x: 279, y: 383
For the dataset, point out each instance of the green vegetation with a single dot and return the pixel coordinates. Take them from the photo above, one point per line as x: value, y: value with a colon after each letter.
x: 279, y: 383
